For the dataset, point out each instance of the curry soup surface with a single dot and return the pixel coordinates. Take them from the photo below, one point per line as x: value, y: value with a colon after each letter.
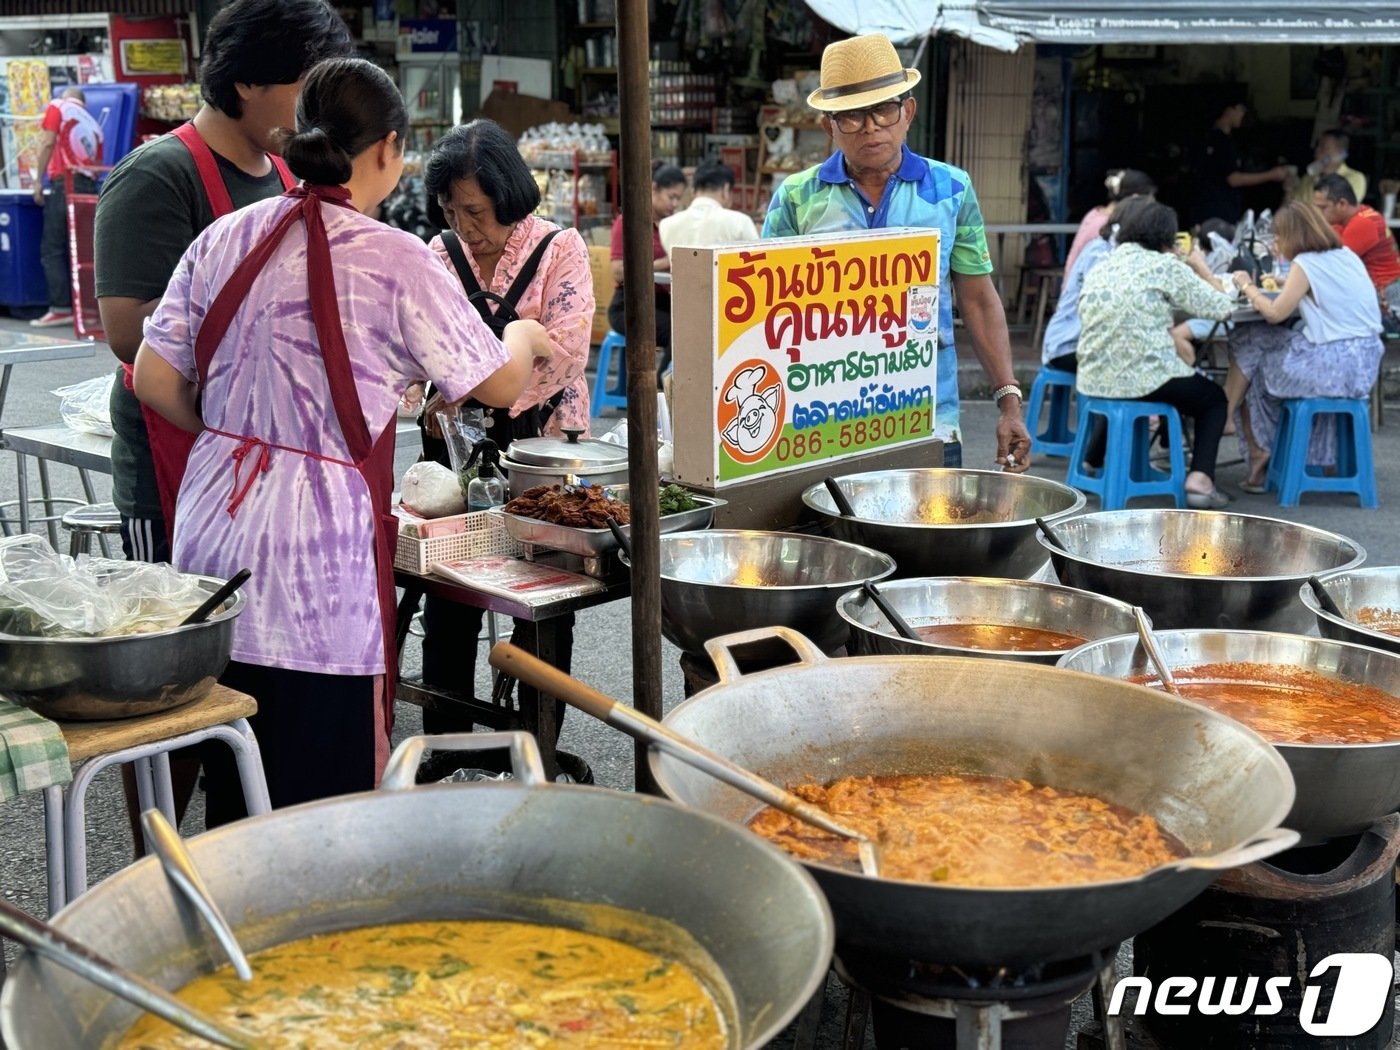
x: 997, y: 637
x: 1289, y: 704
x: 975, y: 831
x: 453, y: 985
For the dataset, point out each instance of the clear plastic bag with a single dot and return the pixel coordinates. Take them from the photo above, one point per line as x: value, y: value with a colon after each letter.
x: 85, y: 406
x: 49, y: 595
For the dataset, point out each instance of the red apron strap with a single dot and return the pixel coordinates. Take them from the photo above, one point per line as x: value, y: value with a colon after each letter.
x: 378, y: 472
x: 208, y: 168
x: 285, y: 173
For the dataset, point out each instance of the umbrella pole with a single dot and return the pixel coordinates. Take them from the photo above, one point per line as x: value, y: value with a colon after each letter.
x: 634, y: 47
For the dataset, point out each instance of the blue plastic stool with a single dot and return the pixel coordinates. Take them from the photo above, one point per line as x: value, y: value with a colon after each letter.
x: 1289, y: 473
x: 1056, y: 385
x: 1127, y: 470
x: 602, y: 396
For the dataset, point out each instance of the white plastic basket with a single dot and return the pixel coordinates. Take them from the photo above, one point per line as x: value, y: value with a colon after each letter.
x: 485, y: 534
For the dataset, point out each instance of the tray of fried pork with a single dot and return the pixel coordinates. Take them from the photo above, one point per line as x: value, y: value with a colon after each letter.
x: 574, y: 518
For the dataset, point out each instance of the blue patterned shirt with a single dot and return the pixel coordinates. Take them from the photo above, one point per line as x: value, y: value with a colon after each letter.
x: 923, y: 193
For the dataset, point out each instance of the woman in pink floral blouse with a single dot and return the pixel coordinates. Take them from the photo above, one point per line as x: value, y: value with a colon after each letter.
x: 488, y: 195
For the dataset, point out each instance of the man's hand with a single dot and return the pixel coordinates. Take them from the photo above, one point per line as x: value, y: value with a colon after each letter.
x: 39, y: 192
x: 1013, y: 439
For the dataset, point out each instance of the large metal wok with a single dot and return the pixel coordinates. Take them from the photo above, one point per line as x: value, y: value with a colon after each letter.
x: 735, y: 908
x: 1342, y: 788
x: 1199, y: 568
x: 1216, y: 786
x: 944, y: 521
x: 1375, y: 587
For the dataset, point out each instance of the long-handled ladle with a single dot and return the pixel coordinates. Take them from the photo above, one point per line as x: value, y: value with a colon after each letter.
x: 891, y: 613
x: 533, y: 671
x: 179, y: 867
x: 217, y: 599
x: 838, y: 496
x: 53, y: 944
x: 1149, y: 642
x: 1325, y: 599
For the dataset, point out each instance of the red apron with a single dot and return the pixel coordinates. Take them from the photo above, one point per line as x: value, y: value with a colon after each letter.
x: 170, y: 445
x: 373, y: 459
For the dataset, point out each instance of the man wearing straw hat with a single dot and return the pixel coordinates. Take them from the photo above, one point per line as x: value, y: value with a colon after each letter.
x: 873, y: 181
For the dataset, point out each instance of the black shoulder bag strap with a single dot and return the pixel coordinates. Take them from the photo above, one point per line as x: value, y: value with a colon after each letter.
x: 532, y: 421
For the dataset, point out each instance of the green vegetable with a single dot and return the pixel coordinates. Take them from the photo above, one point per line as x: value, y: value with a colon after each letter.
x: 675, y: 499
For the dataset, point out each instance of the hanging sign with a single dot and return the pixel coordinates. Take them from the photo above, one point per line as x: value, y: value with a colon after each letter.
x: 823, y: 347
x: 157, y: 57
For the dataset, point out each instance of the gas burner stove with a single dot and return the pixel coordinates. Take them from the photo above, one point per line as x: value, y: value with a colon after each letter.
x: 924, y: 1004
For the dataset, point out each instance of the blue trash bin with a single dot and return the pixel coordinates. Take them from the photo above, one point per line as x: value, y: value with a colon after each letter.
x: 21, y: 229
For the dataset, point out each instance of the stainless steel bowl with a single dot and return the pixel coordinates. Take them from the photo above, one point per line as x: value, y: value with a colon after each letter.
x: 1200, y: 568
x: 990, y: 518
x: 93, y: 679
x: 970, y: 599
x: 1342, y: 788
x: 725, y: 580
x: 1376, y: 587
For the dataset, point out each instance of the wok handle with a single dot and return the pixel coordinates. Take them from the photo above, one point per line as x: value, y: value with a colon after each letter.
x: 548, y: 679
x: 1261, y: 847
x: 525, y: 762
x: 728, y: 668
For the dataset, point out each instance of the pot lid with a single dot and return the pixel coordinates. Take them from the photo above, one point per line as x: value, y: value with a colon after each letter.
x: 570, y: 453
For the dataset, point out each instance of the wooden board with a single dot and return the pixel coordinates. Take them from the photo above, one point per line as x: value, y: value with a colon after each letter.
x: 218, y: 706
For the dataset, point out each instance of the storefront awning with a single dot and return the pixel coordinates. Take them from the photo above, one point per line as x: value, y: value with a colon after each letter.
x: 1007, y: 24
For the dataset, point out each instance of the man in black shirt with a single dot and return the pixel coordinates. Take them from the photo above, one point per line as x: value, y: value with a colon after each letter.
x: 154, y: 204
x: 1219, y: 179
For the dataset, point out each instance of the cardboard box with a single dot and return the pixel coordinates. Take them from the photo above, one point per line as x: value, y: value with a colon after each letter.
x: 516, y: 113
x: 600, y: 265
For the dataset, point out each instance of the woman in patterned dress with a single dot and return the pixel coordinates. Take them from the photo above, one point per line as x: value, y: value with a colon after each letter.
x: 488, y: 195
x: 1126, y: 348
x: 1336, y: 353
x: 285, y: 338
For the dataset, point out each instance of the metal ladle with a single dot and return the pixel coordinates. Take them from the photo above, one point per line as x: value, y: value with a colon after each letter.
x: 179, y: 867
x: 532, y: 671
x: 1149, y: 642
x: 891, y: 613
x: 53, y: 944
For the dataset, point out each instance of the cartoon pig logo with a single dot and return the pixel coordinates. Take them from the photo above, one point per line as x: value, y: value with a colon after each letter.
x: 755, y: 424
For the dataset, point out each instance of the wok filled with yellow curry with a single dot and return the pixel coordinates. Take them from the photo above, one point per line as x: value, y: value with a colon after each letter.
x: 513, y: 914
x: 1023, y: 814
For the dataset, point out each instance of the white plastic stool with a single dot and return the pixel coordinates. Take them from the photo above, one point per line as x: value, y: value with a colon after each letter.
x: 146, y: 742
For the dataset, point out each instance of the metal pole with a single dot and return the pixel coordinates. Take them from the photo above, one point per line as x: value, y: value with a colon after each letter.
x: 634, y: 46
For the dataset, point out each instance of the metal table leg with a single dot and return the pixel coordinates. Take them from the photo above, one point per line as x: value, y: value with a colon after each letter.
x: 537, y: 709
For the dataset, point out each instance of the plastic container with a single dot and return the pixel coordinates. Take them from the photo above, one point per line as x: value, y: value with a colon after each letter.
x: 21, y: 229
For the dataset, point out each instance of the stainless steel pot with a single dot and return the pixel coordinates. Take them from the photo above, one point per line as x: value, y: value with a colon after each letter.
x: 1199, y: 568
x: 733, y: 907
x: 1374, y: 587
x: 83, y: 679
x: 977, y: 600
x: 1342, y: 788
x: 721, y: 580
x: 570, y: 461
x: 1216, y: 786
x: 893, y: 508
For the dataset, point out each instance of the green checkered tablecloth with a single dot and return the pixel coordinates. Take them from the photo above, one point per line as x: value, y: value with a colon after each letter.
x: 33, y: 754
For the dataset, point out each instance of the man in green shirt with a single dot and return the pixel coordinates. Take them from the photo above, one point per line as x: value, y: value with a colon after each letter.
x: 154, y: 204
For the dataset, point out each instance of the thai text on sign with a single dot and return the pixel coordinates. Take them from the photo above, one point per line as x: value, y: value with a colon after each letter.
x: 826, y: 347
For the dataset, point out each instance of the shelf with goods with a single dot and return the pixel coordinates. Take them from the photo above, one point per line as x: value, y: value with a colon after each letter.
x: 780, y: 153
x: 578, y: 187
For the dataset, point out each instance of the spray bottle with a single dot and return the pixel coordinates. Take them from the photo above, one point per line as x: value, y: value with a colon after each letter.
x: 486, y: 489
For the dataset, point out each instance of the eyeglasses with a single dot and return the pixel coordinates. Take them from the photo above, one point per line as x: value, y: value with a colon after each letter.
x: 851, y: 121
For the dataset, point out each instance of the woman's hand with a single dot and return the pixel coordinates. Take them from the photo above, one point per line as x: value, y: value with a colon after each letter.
x: 1242, y: 280
x: 412, y: 398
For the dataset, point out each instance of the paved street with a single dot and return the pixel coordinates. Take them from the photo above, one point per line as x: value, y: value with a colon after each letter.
x: 602, y: 649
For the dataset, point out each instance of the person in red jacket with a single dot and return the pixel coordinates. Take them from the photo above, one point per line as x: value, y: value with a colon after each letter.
x: 1364, y: 231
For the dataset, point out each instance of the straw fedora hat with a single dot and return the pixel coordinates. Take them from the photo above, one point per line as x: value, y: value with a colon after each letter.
x: 860, y: 72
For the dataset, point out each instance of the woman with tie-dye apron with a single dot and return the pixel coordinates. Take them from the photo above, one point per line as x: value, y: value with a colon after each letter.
x: 285, y: 339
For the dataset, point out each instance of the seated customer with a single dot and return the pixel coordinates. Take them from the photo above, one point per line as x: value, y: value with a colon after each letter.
x: 1364, y: 231
x: 1062, y: 330
x: 1126, y: 349
x: 1337, y: 353
x: 1122, y: 183
x: 1330, y: 158
x: 711, y: 218
x: 667, y: 189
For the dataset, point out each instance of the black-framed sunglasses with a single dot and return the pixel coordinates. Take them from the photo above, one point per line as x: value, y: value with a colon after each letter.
x: 885, y: 114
